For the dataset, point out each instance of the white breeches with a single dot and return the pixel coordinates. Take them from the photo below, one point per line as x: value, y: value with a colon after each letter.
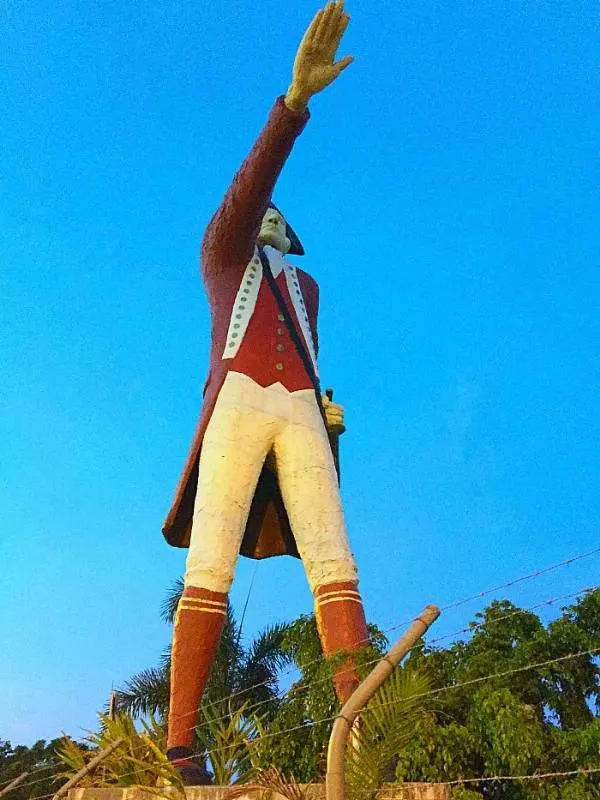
x: 248, y: 421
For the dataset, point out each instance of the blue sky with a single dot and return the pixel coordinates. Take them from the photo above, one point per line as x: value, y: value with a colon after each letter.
x: 446, y: 192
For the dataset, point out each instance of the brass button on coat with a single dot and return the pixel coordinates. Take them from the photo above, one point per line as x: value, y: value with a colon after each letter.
x: 279, y: 366
x: 279, y: 348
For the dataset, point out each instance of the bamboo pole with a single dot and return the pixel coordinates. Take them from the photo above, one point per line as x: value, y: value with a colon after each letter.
x: 13, y: 784
x: 89, y: 768
x: 335, y: 781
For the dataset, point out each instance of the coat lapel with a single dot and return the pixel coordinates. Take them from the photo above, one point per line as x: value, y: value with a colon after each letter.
x: 243, y: 306
x: 295, y: 292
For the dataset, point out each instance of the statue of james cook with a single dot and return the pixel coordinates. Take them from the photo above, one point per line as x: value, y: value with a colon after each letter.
x: 260, y: 477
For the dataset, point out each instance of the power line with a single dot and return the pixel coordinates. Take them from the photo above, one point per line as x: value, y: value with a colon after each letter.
x: 503, y: 674
x: 34, y: 771
x: 469, y: 629
x: 456, y: 604
x: 393, y: 793
x: 463, y: 601
x: 319, y: 681
x: 539, y: 777
x: 535, y: 574
x: 313, y: 723
x: 572, y: 773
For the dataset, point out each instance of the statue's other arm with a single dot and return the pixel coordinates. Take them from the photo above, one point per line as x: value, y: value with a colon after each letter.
x: 232, y: 232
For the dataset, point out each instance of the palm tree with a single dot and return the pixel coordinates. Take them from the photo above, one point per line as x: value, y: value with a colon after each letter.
x: 241, y: 675
x: 244, y: 725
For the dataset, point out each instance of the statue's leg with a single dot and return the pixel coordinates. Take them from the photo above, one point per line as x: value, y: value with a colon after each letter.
x: 310, y: 491
x: 199, y: 622
x: 235, y: 444
x: 342, y: 628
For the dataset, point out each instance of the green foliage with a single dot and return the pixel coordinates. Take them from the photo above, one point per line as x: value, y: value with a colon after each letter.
x: 40, y: 760
x: 168, y: 608
x: 535, y: 720
x: 531, y: 720
x: 243, y: 677
x: 539, y: 720
x: 248, y: 674
x: 232, y: 736
x: 139, y: 760
x: 147, y: 692
x: 385, y: 729
x: 311, y: 698
x: 297, y: 736
x: 508, y: 736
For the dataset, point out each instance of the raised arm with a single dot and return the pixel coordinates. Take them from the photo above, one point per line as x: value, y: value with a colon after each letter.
x: 232, y: 232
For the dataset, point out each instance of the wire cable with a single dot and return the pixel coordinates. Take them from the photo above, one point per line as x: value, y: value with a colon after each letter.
x: 469, y: 629
x: 456, y: 604
x: 465, y: 630
x: 503, y: 674
x: 493, y: 778
x: 313, y: 723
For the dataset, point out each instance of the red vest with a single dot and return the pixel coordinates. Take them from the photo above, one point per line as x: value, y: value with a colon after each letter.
x: 267, y: 353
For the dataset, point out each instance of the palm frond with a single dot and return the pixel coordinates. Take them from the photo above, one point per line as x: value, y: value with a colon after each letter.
x: 386, y: 727
x: 267, y: 648
x: 267, y: 783
x: 168, y: 608
x: 256, y: 673
x: 145, y: 693
x: 139, y: 760
x: 231, y: 737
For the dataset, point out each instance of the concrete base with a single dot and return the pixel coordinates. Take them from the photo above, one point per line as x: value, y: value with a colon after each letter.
x: 316, y: 791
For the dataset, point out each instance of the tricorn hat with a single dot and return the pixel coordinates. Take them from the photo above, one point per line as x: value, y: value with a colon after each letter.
x: 296, y: 248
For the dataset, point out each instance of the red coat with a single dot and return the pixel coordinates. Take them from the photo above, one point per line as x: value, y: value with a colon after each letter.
x: 227, y: 248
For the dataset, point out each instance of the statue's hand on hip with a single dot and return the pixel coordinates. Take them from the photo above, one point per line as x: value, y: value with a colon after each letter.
x: 315, y: 66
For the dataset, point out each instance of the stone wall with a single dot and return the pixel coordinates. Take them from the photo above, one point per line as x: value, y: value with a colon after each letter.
x: 393, y: 791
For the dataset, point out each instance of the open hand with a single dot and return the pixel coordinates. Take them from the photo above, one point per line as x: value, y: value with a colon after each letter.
x: 314, y: 66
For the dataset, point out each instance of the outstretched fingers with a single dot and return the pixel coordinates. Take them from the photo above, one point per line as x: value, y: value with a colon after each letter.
x: 342, y: 25
x: 336, y: 35
x: 330, y: 15
x: 311, y: 34
x: 315, y: 66
x: 336, y: 26
x: 333, y: 21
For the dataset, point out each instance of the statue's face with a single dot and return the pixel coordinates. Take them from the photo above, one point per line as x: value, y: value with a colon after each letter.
x: 272, y: 231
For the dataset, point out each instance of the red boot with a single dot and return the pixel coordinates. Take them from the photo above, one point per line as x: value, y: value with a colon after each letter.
x: 342, y: 626
x: 198, y: 624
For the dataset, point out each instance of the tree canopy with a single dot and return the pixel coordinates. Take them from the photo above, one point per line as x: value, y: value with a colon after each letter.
x: 516, y: 697
x: 528, y: 720
x: 40, y: 761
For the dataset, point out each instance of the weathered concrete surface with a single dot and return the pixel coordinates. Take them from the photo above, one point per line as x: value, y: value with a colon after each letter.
x: 392, y: 791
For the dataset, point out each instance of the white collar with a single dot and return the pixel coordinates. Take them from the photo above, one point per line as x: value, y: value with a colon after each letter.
x: 276, y: 259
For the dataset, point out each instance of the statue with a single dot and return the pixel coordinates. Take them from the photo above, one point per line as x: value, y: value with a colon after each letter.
x: 260, y: 477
